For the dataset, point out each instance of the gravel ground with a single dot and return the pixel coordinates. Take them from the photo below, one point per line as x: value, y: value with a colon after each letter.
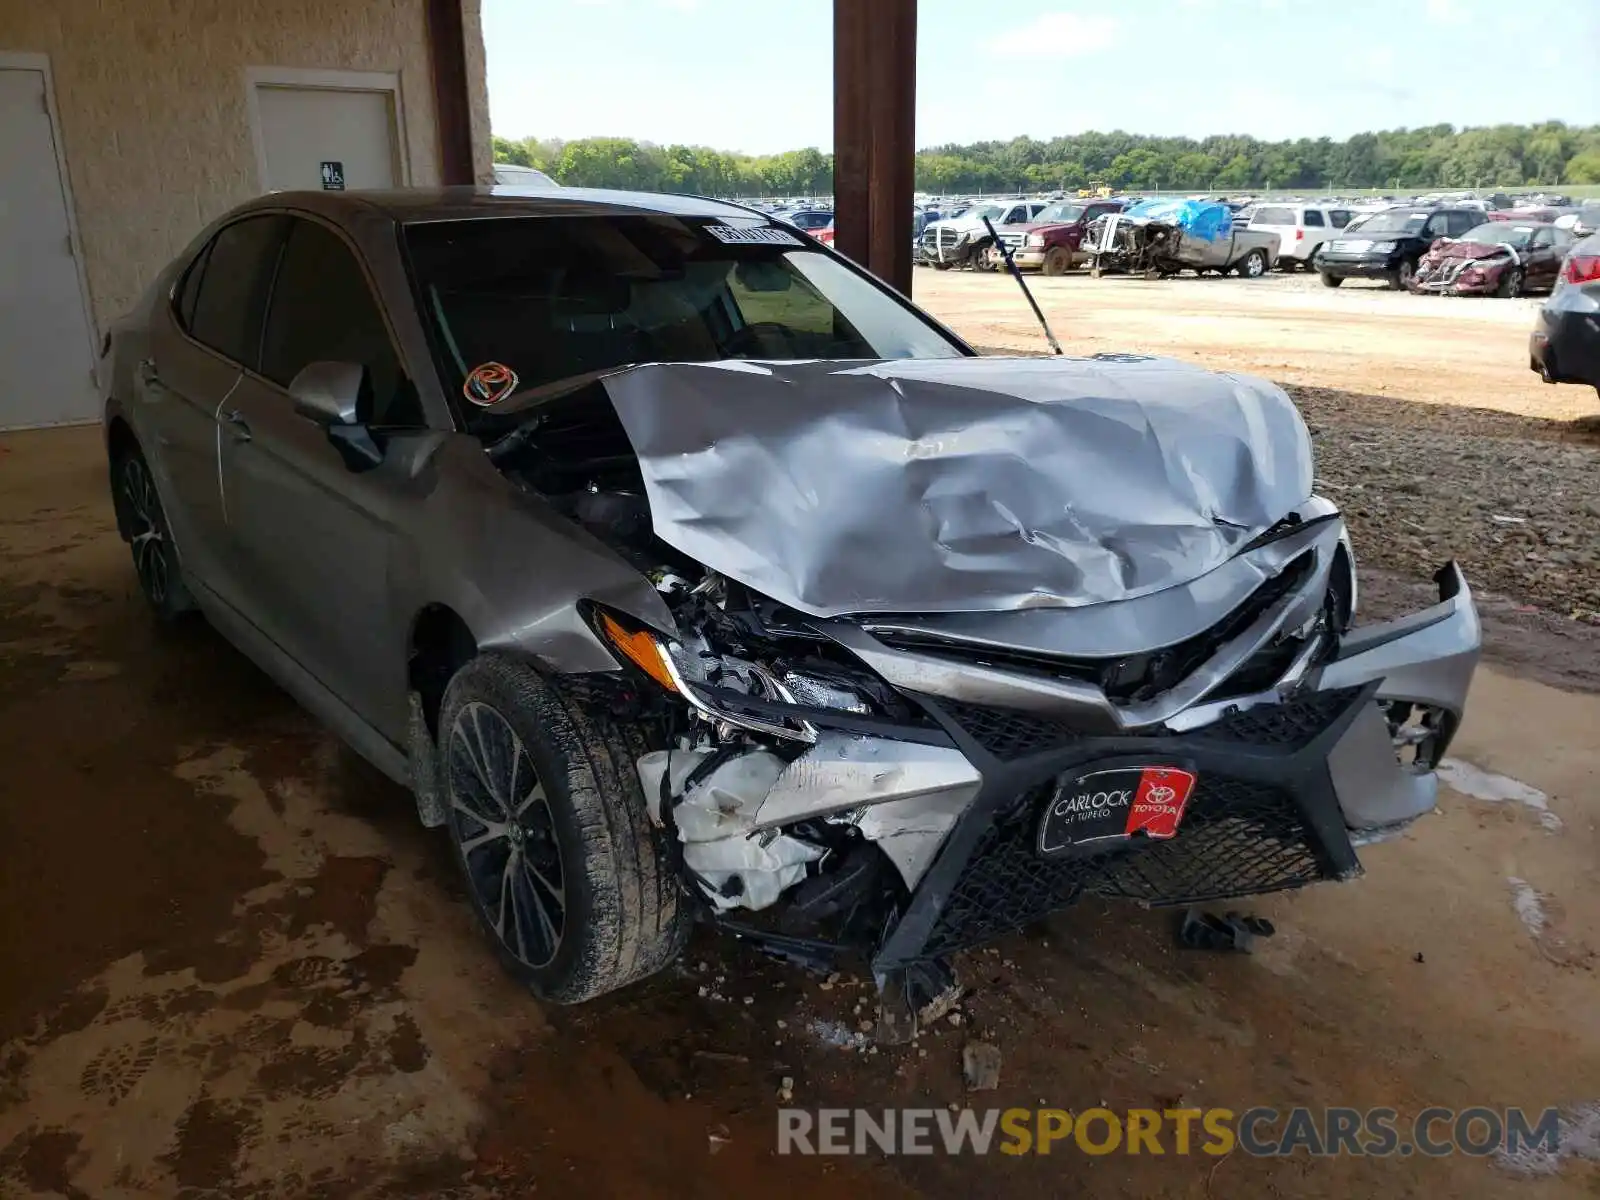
x: 1514, y: 500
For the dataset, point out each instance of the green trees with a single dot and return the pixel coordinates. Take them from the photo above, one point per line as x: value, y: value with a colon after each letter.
x: 1403, y: 159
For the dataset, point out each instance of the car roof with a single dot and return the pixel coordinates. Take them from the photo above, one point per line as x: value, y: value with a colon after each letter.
x: 411, y: 206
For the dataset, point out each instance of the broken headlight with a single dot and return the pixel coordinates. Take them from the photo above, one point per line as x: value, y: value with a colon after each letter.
x: 713, y: 684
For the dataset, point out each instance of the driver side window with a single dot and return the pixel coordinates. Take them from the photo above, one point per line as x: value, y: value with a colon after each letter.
x: 323, y: 311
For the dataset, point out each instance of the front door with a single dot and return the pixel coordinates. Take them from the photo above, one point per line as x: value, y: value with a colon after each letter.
x: 314, y: 535
x: 46, y: 350
x: 331, y: 139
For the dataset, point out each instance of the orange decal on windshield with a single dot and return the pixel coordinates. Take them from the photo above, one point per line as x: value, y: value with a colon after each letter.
x: 489, y: 382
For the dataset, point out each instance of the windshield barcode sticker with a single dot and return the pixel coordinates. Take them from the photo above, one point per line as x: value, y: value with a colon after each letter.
x: 761, y: 235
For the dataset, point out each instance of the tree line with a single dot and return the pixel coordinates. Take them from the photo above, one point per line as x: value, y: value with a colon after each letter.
x: 1499, y: 156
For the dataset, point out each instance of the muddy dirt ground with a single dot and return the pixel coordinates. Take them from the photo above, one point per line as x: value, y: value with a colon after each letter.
x: 231, y: 964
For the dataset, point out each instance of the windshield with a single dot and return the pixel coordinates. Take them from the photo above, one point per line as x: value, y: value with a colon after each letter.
x: 1066, y: 213
x: 1494, y: 233
x: 555, y: 297
x: 979, y: 211
x: 1391, y: 222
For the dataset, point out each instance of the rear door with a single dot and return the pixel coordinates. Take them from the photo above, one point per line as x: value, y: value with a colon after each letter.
x: 199, y: 344
x: 313, y: 534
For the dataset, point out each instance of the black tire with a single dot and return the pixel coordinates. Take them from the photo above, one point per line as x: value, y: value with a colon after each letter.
x: 982, y: 257
x: 1510, y: 284
x: 1400, y: 278
x: 1057, y: 260
x: 941, y: 266
x: 143, y: 523
x: 1331, y: 280
x: 593, y: 894
x: 1253, y: 265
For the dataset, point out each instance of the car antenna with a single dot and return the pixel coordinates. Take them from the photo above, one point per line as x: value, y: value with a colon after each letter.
x: 1005, y: 252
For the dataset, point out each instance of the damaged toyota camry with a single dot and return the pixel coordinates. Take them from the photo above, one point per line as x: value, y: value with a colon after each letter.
x: 683, y: 571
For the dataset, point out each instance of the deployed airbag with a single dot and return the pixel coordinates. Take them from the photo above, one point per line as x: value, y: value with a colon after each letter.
x: 969, y: 484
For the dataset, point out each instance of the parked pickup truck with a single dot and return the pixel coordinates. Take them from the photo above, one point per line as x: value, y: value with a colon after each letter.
x: 1053, y: 241
x: 1162, y: 237
x: 961, y: 241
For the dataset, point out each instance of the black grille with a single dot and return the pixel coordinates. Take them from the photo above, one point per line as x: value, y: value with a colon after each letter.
x: 1238, y: 838
x: 1291, y: 723
x: 1006, y: 733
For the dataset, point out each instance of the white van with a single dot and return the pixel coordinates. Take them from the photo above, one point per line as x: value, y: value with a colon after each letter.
x: 1301, y: 229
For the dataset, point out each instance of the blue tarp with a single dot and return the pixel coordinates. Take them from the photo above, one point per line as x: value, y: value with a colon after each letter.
x: 1197, y: 218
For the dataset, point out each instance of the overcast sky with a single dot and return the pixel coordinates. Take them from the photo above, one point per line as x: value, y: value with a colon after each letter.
x: 756, y: 75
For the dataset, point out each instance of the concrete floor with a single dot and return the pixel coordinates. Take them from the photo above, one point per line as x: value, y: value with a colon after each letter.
x: 232, y: 964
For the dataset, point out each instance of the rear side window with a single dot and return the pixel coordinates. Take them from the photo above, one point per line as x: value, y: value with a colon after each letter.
x: 323, y: 311
x: 1314, y: 218
x: 231, y: 293
x: 1273, y: 216
x: 1339, y: 218
x: 189, y: 292
x: 1460, y: 222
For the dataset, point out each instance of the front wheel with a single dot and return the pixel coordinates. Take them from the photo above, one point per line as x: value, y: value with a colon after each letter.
x: 1331, y: 280
x: 1057, y: 260
x: 574, y: 887
x: 1253, y: 265
x: 144, y: 524
x: 1401, y: 277
x: 1510, y: 284
x: 942, y: 266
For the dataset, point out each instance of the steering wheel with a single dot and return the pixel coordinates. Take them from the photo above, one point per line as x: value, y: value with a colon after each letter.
x: 753, y: 340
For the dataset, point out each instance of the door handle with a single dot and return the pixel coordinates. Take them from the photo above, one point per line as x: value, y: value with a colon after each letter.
x: 241, y: 427
x: 148, y: 375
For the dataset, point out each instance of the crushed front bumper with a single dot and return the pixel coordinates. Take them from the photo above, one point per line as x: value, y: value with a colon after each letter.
x: 1357, y: 268
x: 1288, y: 785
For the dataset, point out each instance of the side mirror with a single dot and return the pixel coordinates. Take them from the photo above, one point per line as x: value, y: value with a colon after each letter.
x: 327, y: 392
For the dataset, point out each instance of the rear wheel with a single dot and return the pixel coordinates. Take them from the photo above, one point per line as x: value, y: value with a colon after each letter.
x: 575, y: 888
x: 1057, y: 260
x: 144, y: 521
x: 1253, y: 265
x: 1331, y: 280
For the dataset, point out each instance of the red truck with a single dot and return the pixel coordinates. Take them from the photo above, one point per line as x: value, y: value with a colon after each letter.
x: 1050, y: 241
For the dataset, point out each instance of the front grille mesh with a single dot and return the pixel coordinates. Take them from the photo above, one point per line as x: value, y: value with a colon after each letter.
x: 1291, y: 723
x: 1238, y: 838
x: 1007, y: 733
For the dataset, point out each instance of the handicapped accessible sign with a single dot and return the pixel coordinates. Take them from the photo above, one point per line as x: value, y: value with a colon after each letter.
x: 332, y: 176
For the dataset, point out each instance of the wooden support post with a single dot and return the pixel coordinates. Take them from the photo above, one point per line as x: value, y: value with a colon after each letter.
x: 874, y: 134
x: 447, y: 47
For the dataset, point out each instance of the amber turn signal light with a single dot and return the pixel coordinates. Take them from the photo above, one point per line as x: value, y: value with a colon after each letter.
x: 639, y: 648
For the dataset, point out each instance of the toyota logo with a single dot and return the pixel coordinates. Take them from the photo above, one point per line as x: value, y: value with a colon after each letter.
x: 1161, y: 794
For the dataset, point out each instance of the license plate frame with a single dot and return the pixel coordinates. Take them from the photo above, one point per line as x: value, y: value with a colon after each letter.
x: 1103, y: 807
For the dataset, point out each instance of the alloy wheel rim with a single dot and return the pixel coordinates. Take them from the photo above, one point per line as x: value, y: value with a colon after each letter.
x: 149, y: 543
x: 507, y: 836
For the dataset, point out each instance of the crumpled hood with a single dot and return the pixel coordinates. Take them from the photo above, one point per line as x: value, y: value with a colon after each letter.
x: 954, y: 485
x: 1466, y: 250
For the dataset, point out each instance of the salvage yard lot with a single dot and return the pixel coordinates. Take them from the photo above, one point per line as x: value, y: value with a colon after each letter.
x: 231, y: 964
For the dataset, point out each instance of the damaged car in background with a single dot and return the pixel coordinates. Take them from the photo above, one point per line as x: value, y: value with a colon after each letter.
x: 1158, y: 238
x: 1497, y: 258
x: 686, y: 571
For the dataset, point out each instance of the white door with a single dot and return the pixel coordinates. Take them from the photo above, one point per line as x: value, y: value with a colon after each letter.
x: 329, y: 138
x: 46, y: 349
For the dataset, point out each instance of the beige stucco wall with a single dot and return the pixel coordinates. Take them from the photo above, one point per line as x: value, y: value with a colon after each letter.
x: 155, y: 125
